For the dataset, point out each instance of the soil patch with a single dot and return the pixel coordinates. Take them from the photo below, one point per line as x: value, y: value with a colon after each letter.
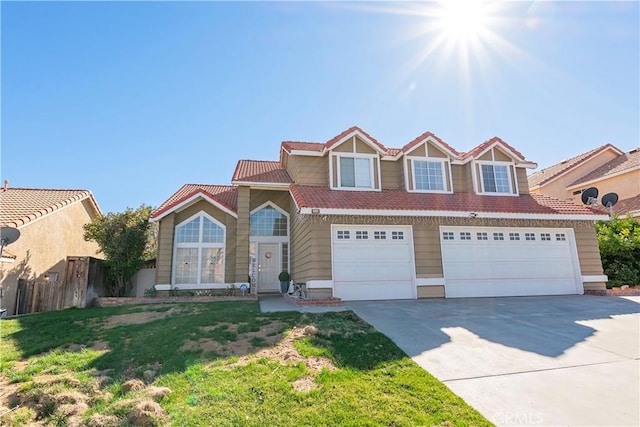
x: 136, y: 318
x: 304, y: 384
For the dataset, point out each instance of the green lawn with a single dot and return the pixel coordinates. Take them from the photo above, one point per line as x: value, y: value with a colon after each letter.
x: 208, y: 364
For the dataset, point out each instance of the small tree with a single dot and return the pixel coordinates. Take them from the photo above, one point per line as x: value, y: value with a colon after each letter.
x: 619, y: 242
x: 124, y: 240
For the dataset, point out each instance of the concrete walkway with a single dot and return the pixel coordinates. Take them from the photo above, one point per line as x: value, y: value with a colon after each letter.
x: 568, y: 360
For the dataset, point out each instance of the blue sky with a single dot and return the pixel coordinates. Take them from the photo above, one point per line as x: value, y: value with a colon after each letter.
x: 132, y: 100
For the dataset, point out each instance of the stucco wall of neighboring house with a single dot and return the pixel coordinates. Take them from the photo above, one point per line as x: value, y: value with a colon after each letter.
x: 625, y: 185
x: 43, y: 247
x: 164, y: 262
x: 558, y: 187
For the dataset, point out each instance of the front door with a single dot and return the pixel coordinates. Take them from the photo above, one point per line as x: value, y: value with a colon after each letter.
x: 269, y: 266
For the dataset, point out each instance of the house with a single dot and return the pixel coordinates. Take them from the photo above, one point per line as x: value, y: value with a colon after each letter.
x: 353, y: 219
x: 50, y: 224
x: 606, y: 168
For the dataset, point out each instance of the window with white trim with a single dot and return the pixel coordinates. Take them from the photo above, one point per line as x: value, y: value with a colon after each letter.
x: 514, y: 236
x: 355, y: 172
x: 199, y: 251
x: 561, y: 237
x: 495, y: 178
x: 428, y: 175
x: 397, y: 235
x: 268, y: 221
x: 447, y: 235
x: 379, y: 235
x: 545, y: 236
x: 343, y: 234
x: 529, y: 236
x: 465, y: 235
x: 482, y: 236
x: 362, y: 235
x: 498, y: 236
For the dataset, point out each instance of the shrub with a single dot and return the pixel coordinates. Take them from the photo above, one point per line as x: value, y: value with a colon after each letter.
x: 619, y: 242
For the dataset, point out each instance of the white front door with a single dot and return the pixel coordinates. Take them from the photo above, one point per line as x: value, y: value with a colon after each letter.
x: 509, y: 261
x: 269, y: 267
x: 373, y: 262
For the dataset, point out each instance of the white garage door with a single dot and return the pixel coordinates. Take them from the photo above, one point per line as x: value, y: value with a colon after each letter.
x: 372, y: 263
x: 490, y: 261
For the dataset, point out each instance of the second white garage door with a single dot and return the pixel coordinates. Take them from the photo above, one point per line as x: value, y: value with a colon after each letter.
x: 492, y: 261
x: 372, y: 262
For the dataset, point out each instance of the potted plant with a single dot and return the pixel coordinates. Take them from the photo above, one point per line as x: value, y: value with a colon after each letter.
x: 284, y: 281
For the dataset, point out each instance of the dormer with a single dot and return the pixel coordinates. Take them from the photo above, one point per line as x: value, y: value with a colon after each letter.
x: 427, y: 165
x: 354, y: 161
x: 497, y: 169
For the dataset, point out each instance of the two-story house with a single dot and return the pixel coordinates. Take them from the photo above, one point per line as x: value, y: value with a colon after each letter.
x: 353, y: 219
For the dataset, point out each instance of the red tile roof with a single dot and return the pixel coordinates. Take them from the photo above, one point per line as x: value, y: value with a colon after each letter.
x: 341, y: 135
x: 226, y: 195
x: 547, y: 174
x: 400, y: 200
x: 628, y: 206
x: 260, y: 171
x: 478, y: 150
x: 424, y: 136
x: 302, y: 146
x: 627, y: 161
x: 19, y: 206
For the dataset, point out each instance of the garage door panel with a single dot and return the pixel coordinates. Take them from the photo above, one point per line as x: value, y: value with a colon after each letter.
x: 368, y: 268
x: 544, y: 265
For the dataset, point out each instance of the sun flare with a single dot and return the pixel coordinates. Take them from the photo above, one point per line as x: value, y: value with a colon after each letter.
x: 463, y: 20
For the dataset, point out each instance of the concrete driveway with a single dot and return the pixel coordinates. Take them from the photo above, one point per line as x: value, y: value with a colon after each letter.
x: 568, y: 360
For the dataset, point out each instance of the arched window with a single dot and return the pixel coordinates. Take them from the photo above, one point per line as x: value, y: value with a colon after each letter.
x: 199, y: 251
x: 269, y: 221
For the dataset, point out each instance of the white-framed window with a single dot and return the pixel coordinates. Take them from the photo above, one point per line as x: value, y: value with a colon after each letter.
x: 199, y: 251
x: 514, y: 236
x: 379, y: 235
x: 428, y: 175
x: 355, y: 172
x: 465, y: 235
x: 362, y: 235
x: 397, y: 235
x: 268, y: 221
x: 448, y: 235
x: 498, y: 236
x: 343, y: 234
x: 545, y: 236
x: 495, y: 178
x: 561, y: 237
x: 482, y: 236
x: 529, y: 236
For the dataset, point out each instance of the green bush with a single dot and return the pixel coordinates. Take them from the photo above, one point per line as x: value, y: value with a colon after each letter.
x: 619, y: 242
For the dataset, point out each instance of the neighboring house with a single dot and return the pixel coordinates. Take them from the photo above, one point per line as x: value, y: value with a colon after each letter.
x: 353, y: 219
x: 50, y: 224
x: 607, y: 168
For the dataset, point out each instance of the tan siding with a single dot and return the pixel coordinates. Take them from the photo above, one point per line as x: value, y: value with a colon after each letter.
x: 309, y: 170
x: 392, y: 174
x: 447, y: 176
x: 241, y: 265
x: 260, y: 197
x: 430, y: 291
x: 164, y: 259
x: 588, y: 252
x: 376, y: 181
x: 410, y: 174
x: 523, y: 183
x: 435, y: 152
x: 501, y: 156
x: 334, y: 159
x: 345, y: 147
x: 363, y: 147
x: 486, y: 156
x: 462, y: 182
x: 291, y: 165
x: 426, y: 246
x: 420, y: 151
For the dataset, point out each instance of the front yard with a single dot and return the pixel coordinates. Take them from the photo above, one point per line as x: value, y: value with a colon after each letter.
x: 221, y: 363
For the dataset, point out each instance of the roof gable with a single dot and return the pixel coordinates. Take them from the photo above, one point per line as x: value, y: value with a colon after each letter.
x: 224, y: 197
x: 548, y: 174
x: 626, y: 162
x: 432, y: 138
x: 495, y: 142
x: 350, y: 133
x: 21, y: 206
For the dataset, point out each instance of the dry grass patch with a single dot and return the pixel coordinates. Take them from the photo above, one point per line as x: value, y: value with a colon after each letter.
x: 136, y: 318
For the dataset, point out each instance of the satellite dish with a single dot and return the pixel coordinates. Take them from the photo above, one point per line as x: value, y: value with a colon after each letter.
x: 8, y: 235
x: 590, y: 196
x: 609, y: 200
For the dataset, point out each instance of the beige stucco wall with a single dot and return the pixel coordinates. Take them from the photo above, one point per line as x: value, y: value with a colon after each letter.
x: 43, y: 247
x: 625, y: 185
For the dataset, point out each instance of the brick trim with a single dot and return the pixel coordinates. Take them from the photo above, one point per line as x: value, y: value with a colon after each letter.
x: 325, y: 302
